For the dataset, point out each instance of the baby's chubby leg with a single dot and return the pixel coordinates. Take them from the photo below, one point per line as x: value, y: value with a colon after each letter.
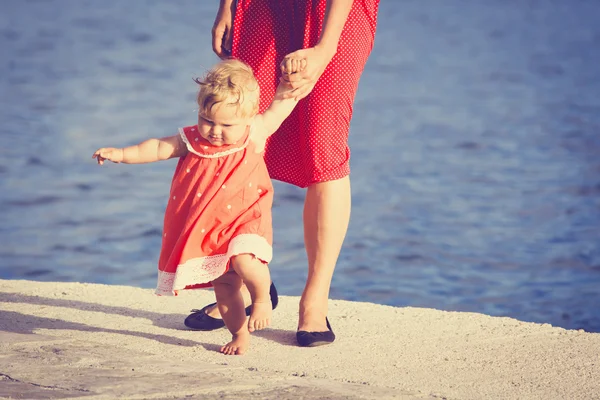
x: 257, y: 279
x: 231, y: 307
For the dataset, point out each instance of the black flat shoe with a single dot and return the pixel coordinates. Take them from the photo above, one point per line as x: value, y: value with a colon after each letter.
x: 199, y: 320
x: 313, y: 339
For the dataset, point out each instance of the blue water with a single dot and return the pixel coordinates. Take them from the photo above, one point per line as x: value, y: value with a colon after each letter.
x: 475, y: 151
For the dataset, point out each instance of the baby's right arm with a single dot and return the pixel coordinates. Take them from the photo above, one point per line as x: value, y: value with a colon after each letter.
x: 148, y: 151
x: 269, y: 121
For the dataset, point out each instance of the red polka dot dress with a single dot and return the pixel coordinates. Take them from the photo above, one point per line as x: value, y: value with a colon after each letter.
x: 311, y: 146
x: 219, y: 206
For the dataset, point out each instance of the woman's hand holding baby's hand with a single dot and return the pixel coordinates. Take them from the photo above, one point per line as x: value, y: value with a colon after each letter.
x: 108, y: 153
x: 290, y: 65
x: 315, y: 60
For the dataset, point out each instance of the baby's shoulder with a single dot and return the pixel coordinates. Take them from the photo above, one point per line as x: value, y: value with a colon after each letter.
x: 189, y: 133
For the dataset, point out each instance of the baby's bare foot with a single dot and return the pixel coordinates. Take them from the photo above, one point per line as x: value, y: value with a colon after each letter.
x: 238, y: 345
x: 260, y: 317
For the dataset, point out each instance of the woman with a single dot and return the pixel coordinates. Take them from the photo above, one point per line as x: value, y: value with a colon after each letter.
x: 310, y: 150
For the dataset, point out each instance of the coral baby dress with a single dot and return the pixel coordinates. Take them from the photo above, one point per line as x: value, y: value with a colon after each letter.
x: 219, y: 206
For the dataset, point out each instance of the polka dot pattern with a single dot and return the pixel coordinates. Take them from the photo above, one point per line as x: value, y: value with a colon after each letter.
x: 311, y: 146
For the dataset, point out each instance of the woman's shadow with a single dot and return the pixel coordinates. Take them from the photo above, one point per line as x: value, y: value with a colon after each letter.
x: 25, y: 324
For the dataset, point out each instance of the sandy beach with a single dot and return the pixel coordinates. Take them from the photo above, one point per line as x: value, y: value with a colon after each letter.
x: 75, y: 340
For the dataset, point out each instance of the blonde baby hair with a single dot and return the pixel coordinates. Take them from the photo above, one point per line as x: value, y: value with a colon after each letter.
x: 233, y: 82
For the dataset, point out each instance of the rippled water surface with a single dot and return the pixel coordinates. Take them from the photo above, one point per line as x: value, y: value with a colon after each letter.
x: 475, y: 164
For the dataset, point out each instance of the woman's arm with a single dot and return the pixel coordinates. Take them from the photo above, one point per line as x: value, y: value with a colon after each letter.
x: 222, y: 28
x: 319, y: 56
x: 336, y: 14
x: 148, y: 151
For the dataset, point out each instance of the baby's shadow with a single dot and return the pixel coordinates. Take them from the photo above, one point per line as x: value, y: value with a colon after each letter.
x: 167, y: 321
x: 216, y: 347
x: 24, y: 323
x: 27, y: 324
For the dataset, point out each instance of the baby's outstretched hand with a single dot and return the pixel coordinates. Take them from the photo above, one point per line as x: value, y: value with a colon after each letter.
x: 108, y: 153
x: 291, y: 65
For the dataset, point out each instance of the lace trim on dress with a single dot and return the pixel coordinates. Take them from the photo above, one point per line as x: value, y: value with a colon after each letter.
x: 193, y: 271
x: 250, y: 243
x: 215, y: 155
x: 208, y: 268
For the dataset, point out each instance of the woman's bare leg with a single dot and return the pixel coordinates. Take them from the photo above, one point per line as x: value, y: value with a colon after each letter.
x: 231, y: 306
x: 326, y: 218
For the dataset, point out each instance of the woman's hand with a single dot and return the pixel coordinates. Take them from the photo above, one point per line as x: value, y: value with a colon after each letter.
x: 222, y: 30
x: 108, y: 153
x: 291, y: 65
x: 303, y: 82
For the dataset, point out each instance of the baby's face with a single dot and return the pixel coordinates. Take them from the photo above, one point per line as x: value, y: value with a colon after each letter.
x: 222, y: 126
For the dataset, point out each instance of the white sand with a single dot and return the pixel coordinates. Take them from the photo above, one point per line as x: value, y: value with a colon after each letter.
x: 69, y: 340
